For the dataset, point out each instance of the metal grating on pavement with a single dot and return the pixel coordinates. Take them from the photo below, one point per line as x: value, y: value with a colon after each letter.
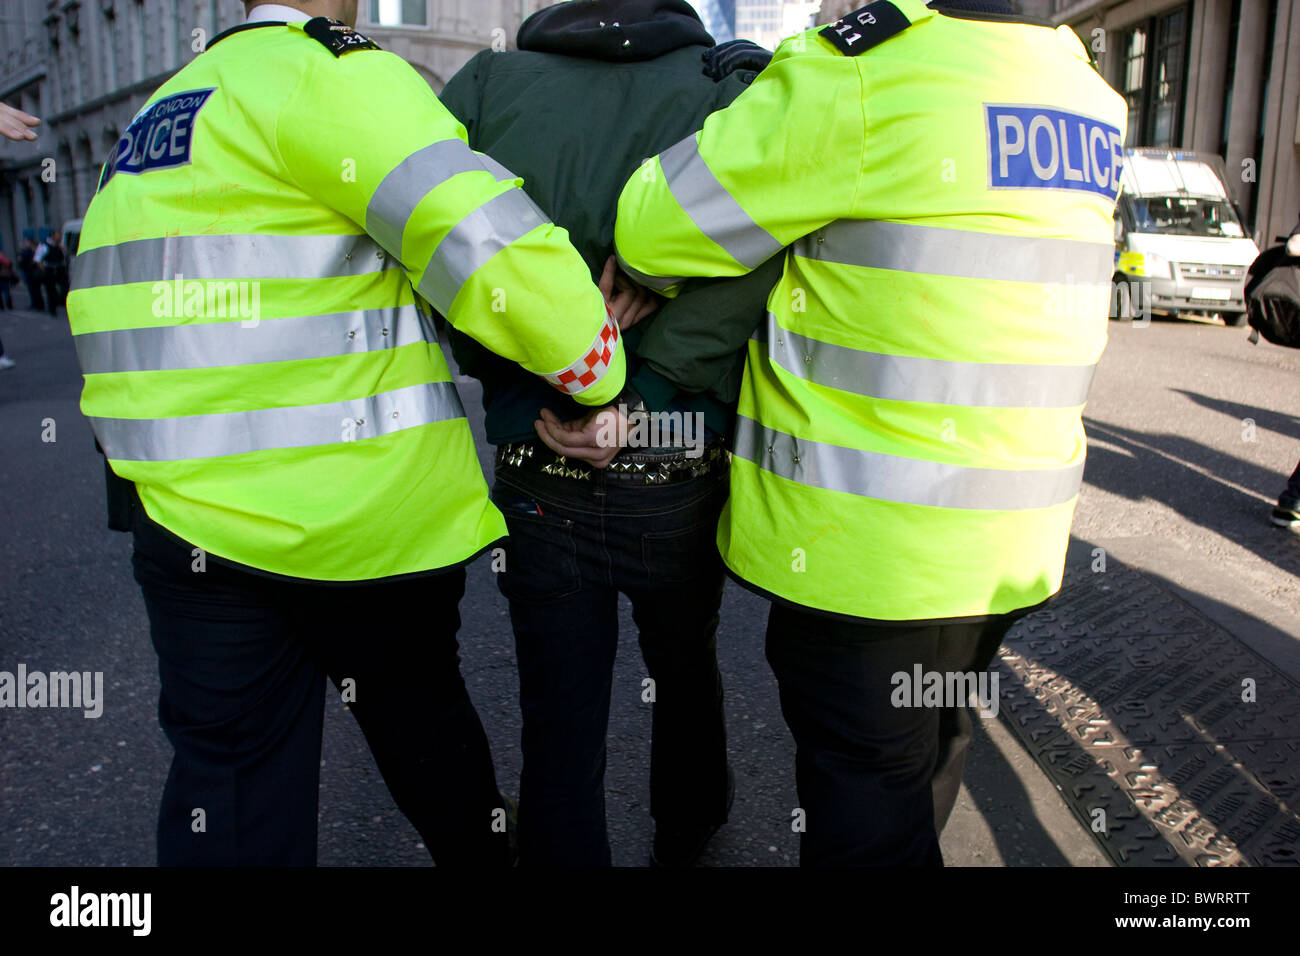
x: 1132, y: 702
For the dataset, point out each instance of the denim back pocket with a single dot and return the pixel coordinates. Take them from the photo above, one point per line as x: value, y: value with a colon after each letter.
x: 541, y: 554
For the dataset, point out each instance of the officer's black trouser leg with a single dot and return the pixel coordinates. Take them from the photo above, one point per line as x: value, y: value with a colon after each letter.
x: 875, y: 781
x: 243, y: 661
x: 416, y: 714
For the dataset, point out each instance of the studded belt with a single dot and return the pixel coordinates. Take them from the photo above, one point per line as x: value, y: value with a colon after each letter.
x: 633, y: 467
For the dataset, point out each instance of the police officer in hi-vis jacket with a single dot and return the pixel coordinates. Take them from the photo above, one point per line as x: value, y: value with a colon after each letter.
x: 249, y: 310
x: 940, y: 181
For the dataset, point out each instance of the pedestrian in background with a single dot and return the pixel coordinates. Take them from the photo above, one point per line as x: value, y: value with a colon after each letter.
x: 52, y: 261
x: 1286, y: 513
x: 7, y: 277
x: 15, y: 125
x: 1284, y: 255
x: 31, y: 273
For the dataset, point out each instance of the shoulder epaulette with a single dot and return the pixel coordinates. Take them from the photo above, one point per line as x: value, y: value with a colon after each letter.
x: 337, y: 37
x: 856, y: 32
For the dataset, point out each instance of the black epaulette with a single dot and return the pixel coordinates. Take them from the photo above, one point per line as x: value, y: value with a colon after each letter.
x: 857, y: 32
x: 337, y: 36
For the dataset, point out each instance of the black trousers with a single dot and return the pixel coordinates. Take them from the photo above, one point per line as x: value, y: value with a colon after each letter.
x: 1292, y: 486
x: 243, y: 661
x: 55, y: 282
x: 33, y: 284
x: 876, y: 781
x: 573, y: 547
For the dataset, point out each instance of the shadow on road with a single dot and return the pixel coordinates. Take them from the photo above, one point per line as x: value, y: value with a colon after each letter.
x: 1001, y: 799
x: 1263, y: 418
x: 1212, y: 493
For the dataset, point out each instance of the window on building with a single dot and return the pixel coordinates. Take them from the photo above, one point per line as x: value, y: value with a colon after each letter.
x: 1270, y: 21
x: 107, y: 38
x: 137, y: 28
x: 174, y: 36
x: 399, y: 13
x: 1169, y: 69
x: 1135, y: 49
x: 1155, y: 72
x: 78, y: 65
x: 1229, y: 73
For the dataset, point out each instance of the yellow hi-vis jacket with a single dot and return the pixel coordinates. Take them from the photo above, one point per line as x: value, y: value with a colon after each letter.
x: 250, y: 306
x: 909, y: 443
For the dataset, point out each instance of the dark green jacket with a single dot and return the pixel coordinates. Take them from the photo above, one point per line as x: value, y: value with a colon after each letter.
x: 575, y: 129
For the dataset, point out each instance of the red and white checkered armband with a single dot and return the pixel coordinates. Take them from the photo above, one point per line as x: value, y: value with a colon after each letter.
x: 589, y: 369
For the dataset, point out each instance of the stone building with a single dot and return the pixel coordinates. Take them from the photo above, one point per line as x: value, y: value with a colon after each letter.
x: 768, y: 22
x: 87, y: 66
x: 719, y: 18
x: 1216, y: 76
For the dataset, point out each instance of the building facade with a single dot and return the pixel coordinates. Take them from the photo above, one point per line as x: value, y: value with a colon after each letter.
x: 768, y: 22
x: 85, y: 67
x: 719, y: 17
x: 438, y: 37
x: 1215, y: 76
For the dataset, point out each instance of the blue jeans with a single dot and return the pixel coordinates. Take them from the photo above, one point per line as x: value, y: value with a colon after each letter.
x: 573, y: 546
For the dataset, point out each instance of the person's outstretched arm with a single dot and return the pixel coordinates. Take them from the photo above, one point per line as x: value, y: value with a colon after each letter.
x: 17, y: 125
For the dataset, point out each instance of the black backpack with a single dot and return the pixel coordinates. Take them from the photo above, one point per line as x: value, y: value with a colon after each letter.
x: 1273, y: 297
x: 54, y: 256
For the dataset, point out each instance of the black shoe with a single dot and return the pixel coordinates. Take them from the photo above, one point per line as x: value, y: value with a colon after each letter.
x: 681, y: 847
x: 1287, y: 513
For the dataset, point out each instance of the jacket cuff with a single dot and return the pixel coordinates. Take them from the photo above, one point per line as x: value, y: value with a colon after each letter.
x: 657, y: 391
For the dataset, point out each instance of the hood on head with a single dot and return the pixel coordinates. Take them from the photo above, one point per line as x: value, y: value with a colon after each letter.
x: 616, y: 30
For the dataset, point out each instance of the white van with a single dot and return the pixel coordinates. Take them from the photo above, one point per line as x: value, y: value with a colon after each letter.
x: 71, y: 237
x: 1178, y: 242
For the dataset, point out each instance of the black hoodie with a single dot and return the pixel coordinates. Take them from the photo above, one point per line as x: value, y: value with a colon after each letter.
x: 574, y: 112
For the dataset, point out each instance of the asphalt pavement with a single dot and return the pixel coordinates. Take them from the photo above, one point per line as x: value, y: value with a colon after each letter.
x: 1192, y: 434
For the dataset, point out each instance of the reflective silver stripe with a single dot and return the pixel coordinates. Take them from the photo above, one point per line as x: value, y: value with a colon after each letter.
x: 650, y: 282
x: 237, y: 433
x: 496, y: 169
x: 409, y: 182
x: 218, y: 344
x: 906, y: 247
x: 228, y: 257
x: 714, y: 211
x: 905, y: 480
x: 473, y: 241
x: 905, y: 378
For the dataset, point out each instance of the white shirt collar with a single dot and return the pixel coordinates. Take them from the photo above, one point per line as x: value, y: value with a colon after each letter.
x: 276, y: 11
